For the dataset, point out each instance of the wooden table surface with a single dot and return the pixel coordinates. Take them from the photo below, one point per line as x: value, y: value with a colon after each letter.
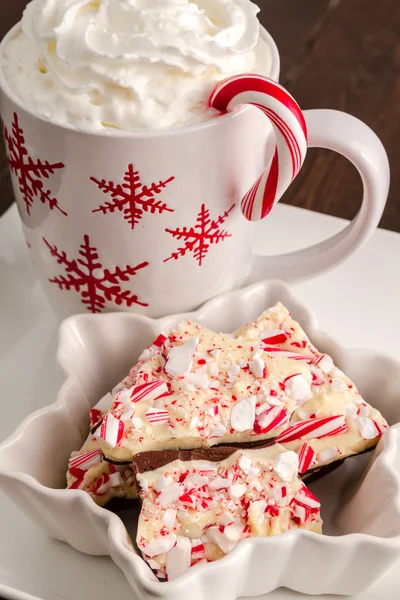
x: 342, y: 54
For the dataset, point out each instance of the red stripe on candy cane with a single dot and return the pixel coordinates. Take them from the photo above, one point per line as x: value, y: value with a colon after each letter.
x: 313, y: 429
x: 290, y: 131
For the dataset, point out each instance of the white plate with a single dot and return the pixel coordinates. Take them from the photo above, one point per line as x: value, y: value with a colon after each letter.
x: 96, y: 351
x: 33, y: 565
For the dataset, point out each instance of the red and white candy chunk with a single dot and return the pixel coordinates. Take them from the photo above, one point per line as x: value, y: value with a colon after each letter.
x: 111, y: 431
x: 313, y: 429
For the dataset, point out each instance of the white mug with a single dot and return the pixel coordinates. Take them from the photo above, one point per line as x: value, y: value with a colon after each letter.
x: 150, y: 222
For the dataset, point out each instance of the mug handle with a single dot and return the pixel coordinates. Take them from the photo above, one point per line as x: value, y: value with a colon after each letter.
x: 347, y: 135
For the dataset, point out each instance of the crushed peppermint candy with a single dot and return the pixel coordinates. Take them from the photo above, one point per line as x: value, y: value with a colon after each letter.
x: 243, y: 414
x: 313, y: 429
x: 180, y: 358
x: 298, y: 387
x: 110, y: 431
x: 367, y: 428
x: 286, y: 465
x: 306, y: 458
x: 325, y: 363
x: 274, y: 336
x: 157, y: 416
x: 258, y: 368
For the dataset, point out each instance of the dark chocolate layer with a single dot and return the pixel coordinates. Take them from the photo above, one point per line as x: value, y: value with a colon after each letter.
x: 150, y: 461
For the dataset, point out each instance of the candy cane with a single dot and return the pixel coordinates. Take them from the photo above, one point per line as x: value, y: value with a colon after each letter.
x: 290, y: 134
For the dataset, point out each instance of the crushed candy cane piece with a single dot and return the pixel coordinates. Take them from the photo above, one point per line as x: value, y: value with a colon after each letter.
x: 216, y: 352
x: 243, y: 414
x: 257, y: 367
x: 274, y: 336
x: 245, y: 463
x: 286, y: 465
x: 236, y: 490
x: 157, y: 416
x: 159, y: 545
x: 161, y: 483
x: 116, y: 479
x: 351, y: 410
x: 306, y: 458
x: 198, y: 550
x: 367, y: 428
x: 169, y: 518
x: 160, y: 340
x: 219, y: 483
x: 149, y: 391
x: 313, y: 429
x: 170, y: 494
x: 270, y: 419
x: 218, y: 537
x: 325, y: 363
x: 298, y: 387
x: 111, y: 431
x: 86, y: 461
x: 180, y: 358
x: 200, y: 380
x: 218, y: 431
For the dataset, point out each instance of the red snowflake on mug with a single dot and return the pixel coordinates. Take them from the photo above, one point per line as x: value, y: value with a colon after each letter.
x: 199, y: 237
x: 29, y: 173
x: 132, y: 197
x: 96, y: 286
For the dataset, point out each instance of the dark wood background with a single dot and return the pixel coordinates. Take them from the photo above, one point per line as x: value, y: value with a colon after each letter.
x: 342, y: 54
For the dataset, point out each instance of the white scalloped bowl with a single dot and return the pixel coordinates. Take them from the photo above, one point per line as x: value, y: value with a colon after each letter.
x: 361, y: 499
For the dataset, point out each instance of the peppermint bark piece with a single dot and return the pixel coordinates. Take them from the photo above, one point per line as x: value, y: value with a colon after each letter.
x: 198, y: 510
x: 335, y: 421
x: 196, y: 388
x: 88, y: 471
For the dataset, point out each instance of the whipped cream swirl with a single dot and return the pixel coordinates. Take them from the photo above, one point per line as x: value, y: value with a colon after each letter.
x: 130, y: 64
